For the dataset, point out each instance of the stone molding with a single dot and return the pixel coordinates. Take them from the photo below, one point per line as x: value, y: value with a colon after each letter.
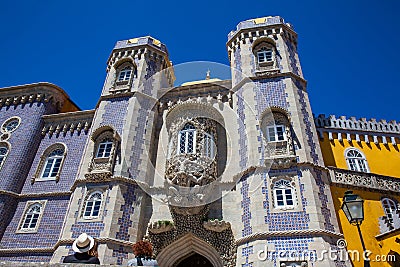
x: 67, y: 122
x: 101, y: 240
x: 364, y: 180
x: 355, y: 128
x: 42, y: 92
x: 35, y: 195
x: 291, y: 233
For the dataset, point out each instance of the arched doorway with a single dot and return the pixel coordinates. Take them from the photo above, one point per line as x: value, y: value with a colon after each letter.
x: 195, y: 260
x: 184, y: 248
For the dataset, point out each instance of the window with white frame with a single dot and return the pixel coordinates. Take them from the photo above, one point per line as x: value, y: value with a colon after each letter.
x: 276, y: 133
x: 32, y: 216
x: 93, y: 205
x: 390, y: 208
x: 3, y: 153
x: 125, y: 74
x: 284, y: 194
x: 209, y: 145
x: 104, y: 148
x: 11, y: 124
x: 356, y: 161
x: 187, y: 140
x: 52, y: 165
x: 265, y: 55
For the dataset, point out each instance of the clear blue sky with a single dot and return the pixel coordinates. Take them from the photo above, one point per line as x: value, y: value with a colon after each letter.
x: 349, y: 50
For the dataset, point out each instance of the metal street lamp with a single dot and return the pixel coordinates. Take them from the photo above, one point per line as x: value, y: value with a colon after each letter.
x: 353, y: 208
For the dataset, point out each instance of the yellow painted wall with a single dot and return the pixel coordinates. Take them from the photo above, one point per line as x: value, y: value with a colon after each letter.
x: 370, y: 227
x: 382, y: 159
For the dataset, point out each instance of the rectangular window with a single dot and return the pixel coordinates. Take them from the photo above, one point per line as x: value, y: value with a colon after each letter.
x: 264, y: 56
x: 276, y: 133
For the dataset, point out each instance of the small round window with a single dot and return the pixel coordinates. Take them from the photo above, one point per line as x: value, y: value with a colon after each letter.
x: 10, y: 125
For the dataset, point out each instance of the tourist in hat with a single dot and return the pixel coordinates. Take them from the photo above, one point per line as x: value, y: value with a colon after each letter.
x: 83, y: 247
x: 143, y: 251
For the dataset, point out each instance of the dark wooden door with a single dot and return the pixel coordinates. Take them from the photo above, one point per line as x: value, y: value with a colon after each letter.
x: 196, y: 260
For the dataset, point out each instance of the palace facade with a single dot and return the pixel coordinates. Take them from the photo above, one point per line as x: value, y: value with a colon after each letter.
x: 214, y: 172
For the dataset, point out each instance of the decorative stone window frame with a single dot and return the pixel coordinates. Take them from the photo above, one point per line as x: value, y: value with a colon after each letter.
x: 277, y: 117
x: 4, y: 157
x: 6, y: 122
x: 121, y: 66
x: 89, y: 192
x: 102, y: 164
x: 37, y: 177
x: 363, y: 159
x: 28, y: 206
x: 293, y: 180
x: 265, y: 44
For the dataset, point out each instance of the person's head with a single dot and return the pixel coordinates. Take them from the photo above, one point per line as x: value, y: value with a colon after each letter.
x: 143, y: 248
x: 93, y: 251
x: 83, y: 243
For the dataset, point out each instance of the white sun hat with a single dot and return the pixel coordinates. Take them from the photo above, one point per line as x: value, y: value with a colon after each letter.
x: 83, y: 243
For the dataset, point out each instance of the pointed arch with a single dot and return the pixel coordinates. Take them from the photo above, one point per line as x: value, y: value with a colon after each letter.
x: 186, y: 246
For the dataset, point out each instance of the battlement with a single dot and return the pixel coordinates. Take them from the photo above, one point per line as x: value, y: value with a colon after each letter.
x: 258, y: 22
x: 139, y: 41
x: 352, y: 123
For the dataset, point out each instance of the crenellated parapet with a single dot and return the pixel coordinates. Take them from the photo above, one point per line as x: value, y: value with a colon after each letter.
x: 358, y: 129
x: 67, y: 122
x: 42, y: 92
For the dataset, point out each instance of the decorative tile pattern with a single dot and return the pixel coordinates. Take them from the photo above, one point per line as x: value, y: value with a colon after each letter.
x: 115, y: 112
x: 285, y: 221
x: 307, y: 120
x: 138, y: 144
x: 245, y: 204
x: 49, y: 228
x: 74, y: 143
x: 24, y: 257
x: 292, y: 57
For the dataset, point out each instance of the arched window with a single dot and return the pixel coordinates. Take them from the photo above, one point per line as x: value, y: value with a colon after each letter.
x: 104, y: 148
x: 53, y: 164
x: 3, y: 153
x: 356, y: 161
x: 264, y: 55
x: 125, y: 74
x: 187, y: 139
x: 283, y: 194
x: 93, y: 205
x: 390, y: 208
x: 209, y: 146
x: 32, y: 216
x: 11, y: 124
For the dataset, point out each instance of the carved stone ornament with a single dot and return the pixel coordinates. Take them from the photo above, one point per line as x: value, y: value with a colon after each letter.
x: 216, y: 225
x: 160, y: 227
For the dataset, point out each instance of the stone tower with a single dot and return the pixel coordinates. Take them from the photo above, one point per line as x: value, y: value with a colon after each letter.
x: 286, y: 202
x: 117, y: 155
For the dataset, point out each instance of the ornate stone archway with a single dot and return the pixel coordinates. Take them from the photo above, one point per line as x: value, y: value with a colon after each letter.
x: 185, y: 246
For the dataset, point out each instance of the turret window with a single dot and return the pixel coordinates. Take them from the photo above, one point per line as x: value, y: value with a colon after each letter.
x: 93, y: 205
x: 264, y: 55
x: 104, y: 148
x: 283, y: 194
x: 125, y: 74
x: 276, y: 133
x: 187, y: 140
x: 356, y: 161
